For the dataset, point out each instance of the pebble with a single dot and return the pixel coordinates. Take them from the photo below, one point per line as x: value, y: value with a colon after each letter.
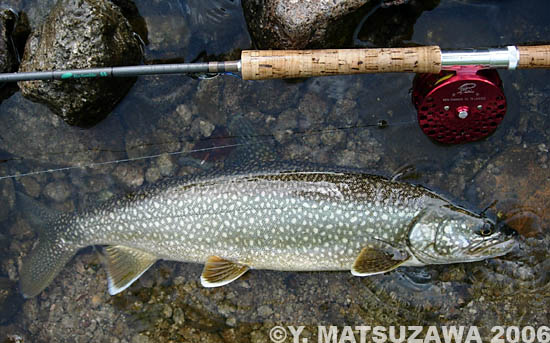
x: 332, y: 136
x: 130, y: 176
x: 258, y: 336
x: 140, y: 338
x: 206, y: 128
x: 58, y: 191
x: 31, y: 187
x: 166, y: 165
x: 178, y: 316
x: 96, y: 300
x: 167, y: 311
x: 265, y: 311
x: 314, y: 109
x: 184, y: 114
x: 152, y: 174
x: 231, y: 321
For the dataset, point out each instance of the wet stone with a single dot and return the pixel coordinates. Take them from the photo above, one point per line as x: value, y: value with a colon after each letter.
x: 166, y: 165
x: 523, y: 193
x: 7, y: 198
x: 201, y: 128
x: 58, y: 191
x: 140, y: 338
x: 179, y: 121
x: 286, y: 24
x: 152, y: 174
x: 130, y: 176
x: 344, y: 113
x: 206, y: 128
x: 332, y: 136
x: 30, y: 186
x: 10, y: 23
x: 205, y: 102
x: 314, y: 110
x: 287, y: 122
x: 167, y: 311
x: 80, y: 34
x: 258, y: 337
x: 345, y: 158
x: 138, y: 146
x: 265, y: 311
x: 178, y: 316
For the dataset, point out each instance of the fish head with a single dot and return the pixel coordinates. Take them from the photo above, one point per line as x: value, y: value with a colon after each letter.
x: 449, y: 234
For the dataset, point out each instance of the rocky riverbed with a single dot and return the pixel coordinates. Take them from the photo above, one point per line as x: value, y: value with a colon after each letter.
x: 328, y: 120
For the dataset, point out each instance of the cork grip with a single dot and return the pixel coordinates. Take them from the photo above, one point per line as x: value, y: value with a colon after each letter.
x: 537, y: 56
x: 278, y: 64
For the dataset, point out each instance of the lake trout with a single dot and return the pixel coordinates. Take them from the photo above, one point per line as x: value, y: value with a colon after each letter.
x: 300, y: 218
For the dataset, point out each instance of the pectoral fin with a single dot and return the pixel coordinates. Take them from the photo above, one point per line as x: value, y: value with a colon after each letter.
x: 377, y: 258
x: 219, y: 272
x: 124, y: 266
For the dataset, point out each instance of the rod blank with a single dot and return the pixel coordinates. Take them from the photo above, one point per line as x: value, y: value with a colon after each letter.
x: 157, y: 69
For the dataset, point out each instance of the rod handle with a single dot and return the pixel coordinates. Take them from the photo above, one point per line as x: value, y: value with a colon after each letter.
x: 279, y: 64
x: 537, y: 56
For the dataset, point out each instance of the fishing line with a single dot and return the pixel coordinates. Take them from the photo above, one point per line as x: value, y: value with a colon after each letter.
x: 269, y: 138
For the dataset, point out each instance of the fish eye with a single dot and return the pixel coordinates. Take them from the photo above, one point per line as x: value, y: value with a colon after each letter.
x: 486, y: 230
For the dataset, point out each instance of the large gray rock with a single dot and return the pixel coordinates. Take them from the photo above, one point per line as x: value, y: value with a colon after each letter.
x: 298, y: 24
x: 292, y: 24
x: 13, y: 29
x: 8, y: 59
x: 81, y: 34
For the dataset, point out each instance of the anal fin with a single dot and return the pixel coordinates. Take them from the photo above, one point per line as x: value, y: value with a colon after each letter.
x: 219, y: 272
x: 377, y: 258
x: 125, y: 265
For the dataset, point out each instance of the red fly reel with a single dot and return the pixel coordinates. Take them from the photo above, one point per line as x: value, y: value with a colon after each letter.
x: 459, y: 106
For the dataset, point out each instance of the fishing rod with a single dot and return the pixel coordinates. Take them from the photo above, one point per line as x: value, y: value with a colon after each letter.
x: 458, y: 94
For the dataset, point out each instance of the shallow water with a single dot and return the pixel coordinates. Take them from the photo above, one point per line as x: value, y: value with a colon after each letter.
x: 328, y: 120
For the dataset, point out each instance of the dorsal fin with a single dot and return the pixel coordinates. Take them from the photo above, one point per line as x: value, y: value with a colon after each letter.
x: 219, y: 272
x: 378, y: 257
x: 125, y: 265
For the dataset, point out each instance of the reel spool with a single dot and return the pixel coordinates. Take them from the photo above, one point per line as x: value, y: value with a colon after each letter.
x: 461, y: 105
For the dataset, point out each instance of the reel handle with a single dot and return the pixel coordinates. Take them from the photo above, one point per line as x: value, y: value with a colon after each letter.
x: 277, y: 64
x: 537, y: 56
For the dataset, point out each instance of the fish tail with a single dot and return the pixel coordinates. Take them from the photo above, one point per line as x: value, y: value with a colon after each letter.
x: 42, y: 265
x: 51, y: 253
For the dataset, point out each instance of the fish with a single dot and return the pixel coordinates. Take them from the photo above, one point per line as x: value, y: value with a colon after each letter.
x: 283, y: 216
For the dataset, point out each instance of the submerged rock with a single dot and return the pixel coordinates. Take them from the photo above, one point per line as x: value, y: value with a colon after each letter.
x: 393, y: 27
x: 13, y: 30
x: 81, y: 34
x: 516, y: 178
x: 291, y: 24
x: 8, y: 57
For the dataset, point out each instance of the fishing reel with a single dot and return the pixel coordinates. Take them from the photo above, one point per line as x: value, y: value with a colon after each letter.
x: 459, y: 106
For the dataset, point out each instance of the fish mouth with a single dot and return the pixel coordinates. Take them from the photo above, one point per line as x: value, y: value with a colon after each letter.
x: 493, y: 250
